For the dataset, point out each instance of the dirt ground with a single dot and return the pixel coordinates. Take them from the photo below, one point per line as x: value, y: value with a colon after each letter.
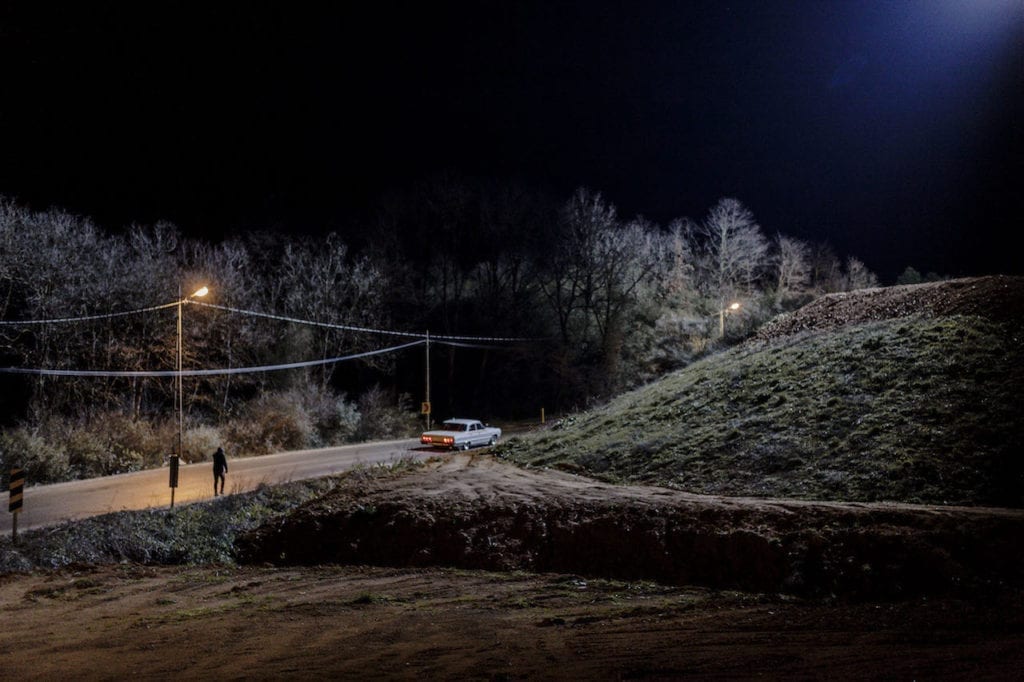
x: 474, y: 511
x: 439, y: 614
x: 388, y: 623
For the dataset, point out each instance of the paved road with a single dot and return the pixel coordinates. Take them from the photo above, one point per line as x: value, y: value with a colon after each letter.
x: 46, y: 505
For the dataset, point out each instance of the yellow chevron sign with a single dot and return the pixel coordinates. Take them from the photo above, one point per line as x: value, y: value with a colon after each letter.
x: 17, y: 489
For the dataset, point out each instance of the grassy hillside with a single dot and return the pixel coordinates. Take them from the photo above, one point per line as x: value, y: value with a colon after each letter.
x: 909, y: 394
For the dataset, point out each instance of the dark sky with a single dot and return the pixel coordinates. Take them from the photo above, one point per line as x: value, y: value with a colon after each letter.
x: 891, y: 129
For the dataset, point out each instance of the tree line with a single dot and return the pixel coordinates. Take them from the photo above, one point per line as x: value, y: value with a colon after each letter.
x: 608, y: 302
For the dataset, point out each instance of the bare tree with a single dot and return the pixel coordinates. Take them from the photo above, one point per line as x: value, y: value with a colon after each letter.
x: 13, y: 247
x: 858, y: 276
x: 512, y: 223
x: 793, y: 261
x: 736, y: 253
x: 570, y: 272
x: 626, y: 259
x: 221, y: 338
x: 592, y: 279
x: 327, y: 284
x: 826, y: 270
x: 65, y: 274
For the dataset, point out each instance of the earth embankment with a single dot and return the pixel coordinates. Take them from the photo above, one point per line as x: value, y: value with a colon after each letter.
x: 473, y: 511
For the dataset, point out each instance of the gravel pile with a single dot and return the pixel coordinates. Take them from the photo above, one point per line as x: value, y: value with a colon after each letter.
x: 998, y: 298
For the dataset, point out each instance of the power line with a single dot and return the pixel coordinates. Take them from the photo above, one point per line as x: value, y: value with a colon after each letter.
x: 270, y: 316
x: 86, y: 318
x: 203, y: 372
x: 368, y: 330
x: 458, y: 344
x: 312, y: 323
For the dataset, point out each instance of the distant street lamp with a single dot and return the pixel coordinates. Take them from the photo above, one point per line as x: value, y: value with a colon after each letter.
x: 199, y: 293
x: 721, y: 317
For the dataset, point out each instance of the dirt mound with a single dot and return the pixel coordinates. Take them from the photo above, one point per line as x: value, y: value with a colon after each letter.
x: 996, y: 298
x: 476, y: 512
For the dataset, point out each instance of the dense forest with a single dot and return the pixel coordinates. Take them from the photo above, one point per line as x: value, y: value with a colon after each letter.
x: 545, y: 303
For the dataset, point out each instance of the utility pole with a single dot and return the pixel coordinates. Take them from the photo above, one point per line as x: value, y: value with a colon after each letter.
x: 180, y: 392
x: 427, y: 382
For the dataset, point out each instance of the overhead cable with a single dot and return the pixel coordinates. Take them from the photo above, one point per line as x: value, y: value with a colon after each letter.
x: 203, y: 372
x: 86, y: 318
x: 459, y: 344
x: 368, y: 330
x: 296, y: 320
x: 270, y: 316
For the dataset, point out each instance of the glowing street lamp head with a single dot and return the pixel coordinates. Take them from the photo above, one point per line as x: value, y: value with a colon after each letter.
x: 200, y: 293
x: 734, y: 306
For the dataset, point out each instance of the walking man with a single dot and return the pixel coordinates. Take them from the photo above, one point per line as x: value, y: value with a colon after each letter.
x: 220, y: 468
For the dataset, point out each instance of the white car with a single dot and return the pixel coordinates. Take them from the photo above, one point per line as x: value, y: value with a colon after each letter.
x: 461, y: 434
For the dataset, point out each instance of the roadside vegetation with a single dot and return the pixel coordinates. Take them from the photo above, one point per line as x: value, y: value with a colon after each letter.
x: 193, y: 534
x: 62, y: 448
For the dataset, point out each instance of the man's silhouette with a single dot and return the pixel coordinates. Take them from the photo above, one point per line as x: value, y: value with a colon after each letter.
x: 220, y: 468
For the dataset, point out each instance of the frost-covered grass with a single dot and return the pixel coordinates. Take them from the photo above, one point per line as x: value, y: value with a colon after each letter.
x: 913, y: 409
x: 200, y: 533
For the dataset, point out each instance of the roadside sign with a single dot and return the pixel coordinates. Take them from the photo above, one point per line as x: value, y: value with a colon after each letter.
x: 424, y: 408
x: 17, y: 490
x: 172, y: 462
x: 174, y: 471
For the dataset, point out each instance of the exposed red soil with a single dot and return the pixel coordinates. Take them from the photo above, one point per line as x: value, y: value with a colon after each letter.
x: 472, y: 511
x: 363, y: 623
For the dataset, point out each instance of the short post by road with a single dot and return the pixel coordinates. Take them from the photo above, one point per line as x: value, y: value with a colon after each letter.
x: 17, y: 490
x: 173, y: 466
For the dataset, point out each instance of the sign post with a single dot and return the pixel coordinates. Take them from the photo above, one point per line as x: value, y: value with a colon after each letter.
x: 174, y: 476
x: 17, y: 490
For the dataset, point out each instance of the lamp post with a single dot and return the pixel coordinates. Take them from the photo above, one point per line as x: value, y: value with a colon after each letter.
x: 202, y: 291
x: 721, y: 317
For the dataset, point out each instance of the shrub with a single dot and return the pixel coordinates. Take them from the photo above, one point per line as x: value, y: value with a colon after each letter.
x: 42, y: 461
x: 199, y: 442
x: 90, y: 454
x: 273, y: 422
x: 383, y: 417
x: 334, y: 419
x: 344, y: 421
x: 135, y: 439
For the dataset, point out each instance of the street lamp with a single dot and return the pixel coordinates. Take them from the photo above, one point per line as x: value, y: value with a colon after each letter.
x: 199, y: 293
x: 721, y: 317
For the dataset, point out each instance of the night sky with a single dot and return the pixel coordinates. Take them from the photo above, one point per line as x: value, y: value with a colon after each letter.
x: 891, y: 129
